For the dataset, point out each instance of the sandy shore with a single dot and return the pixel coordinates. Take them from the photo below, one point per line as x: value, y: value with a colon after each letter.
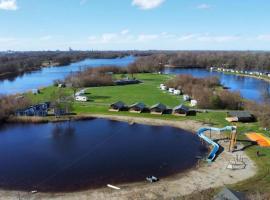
x: 202, y: 177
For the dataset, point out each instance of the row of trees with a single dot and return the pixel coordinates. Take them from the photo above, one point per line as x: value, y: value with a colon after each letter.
x: 15, y: 63
x: 241, y: 60
x: 205, y: 91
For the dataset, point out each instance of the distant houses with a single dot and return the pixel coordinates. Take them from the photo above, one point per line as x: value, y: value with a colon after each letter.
x: 40, y: 110
x: 252, y: 73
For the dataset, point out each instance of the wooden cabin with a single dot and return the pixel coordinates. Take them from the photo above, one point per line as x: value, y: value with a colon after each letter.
x: 181, y: 110
x: 158, y: 109
x: 240, y: 116
x: 137, y: 108
x: 117, y: 106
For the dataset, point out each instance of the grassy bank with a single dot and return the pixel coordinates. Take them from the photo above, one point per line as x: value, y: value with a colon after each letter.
x: 149, y: 93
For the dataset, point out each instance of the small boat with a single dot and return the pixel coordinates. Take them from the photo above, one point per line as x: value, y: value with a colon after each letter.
x: 152, y: 179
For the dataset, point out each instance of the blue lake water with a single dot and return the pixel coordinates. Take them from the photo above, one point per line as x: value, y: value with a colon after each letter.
x: 46, y: 76
x: 78, y: 155
x: 250, y: 88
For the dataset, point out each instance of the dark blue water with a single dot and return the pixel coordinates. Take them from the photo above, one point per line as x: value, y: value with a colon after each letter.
x: 78, y: 155
x: 250, y: 88
x: 46, y: 76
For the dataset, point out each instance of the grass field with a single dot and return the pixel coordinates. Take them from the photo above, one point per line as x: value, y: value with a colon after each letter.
x: 149, y: 93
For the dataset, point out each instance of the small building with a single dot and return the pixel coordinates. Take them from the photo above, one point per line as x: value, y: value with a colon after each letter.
x: 137, y: 108
x: 171, y: 90
x: 127, y: 81
x: 186, y: 97
x: 177, y: 92
x: 193, y: 103
x: 117, y: 106
x: 240, y: 116
x: 181, y: 110
x: 158, y: 108
x: 81, y: 98
x: 228, y: 194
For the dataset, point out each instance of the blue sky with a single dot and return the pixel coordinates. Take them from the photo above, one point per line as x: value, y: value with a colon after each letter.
x: 135, y: 24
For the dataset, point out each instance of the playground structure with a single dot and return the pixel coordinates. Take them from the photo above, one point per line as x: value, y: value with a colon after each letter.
x: 233, y: 137
x: 261, y: 139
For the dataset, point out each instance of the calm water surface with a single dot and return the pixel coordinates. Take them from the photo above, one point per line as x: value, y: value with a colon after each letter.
x: 250, y: 88
x: 79, y: 155
x: 46, y: 76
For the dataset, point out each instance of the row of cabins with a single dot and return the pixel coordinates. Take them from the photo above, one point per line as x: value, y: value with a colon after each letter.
x: 158, y: 109
x: 254, y: 73
x: 174, y: 91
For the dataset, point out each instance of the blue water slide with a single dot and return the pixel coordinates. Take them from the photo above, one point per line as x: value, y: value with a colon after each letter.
x: 215, y: 149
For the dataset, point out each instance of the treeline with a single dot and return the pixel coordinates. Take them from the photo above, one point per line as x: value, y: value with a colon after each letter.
x: 240, y: 60
x: 206, y: 92
x: 15, y: 63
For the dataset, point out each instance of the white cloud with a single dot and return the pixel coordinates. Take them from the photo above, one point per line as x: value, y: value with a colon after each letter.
x: 204, y: 6
x: 147, y: 37
x: 222, y: 38
x: 147, y: 4
x: 46, y: 37
x: 8, y: 5
x: 265, y: 37
x: 186, y: 37
x: 125, y: 32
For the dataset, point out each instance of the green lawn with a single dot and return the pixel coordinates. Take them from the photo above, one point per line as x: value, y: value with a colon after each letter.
x: 149, y: 93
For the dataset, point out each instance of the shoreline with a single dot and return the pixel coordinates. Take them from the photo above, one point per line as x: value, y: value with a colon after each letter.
x: 189, y: 125
x: 203, y: 176
x: 246, y: 75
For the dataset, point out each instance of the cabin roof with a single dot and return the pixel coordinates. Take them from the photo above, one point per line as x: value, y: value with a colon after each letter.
x: 240, y: 114
x: 138, y: 105
x: 226, y: 193
x: 181, y: 107
x: 160, y: 106
x: 118, y: 104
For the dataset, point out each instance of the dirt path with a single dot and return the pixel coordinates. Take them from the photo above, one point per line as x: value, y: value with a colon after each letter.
x: 202, y: 177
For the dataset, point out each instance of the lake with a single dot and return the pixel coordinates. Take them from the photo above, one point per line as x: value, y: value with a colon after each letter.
x: 250, y: 88
x: 77, y: 155
x: 47, y: 75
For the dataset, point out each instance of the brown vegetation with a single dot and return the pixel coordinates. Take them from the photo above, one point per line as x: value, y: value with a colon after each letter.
x: 9, y: 104
x: 260, y: 111
x: 204, y: 90
x: 91, y: 77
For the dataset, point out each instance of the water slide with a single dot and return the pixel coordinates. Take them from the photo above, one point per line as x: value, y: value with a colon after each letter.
x: 215, y: 149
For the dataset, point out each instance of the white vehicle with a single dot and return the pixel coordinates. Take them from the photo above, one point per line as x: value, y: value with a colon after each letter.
x: 171, y: 90
x: 186, y: 97
x: 81, y: 98
x: 193, y: 103
x: 163, y: 87
x: 177, y: 92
